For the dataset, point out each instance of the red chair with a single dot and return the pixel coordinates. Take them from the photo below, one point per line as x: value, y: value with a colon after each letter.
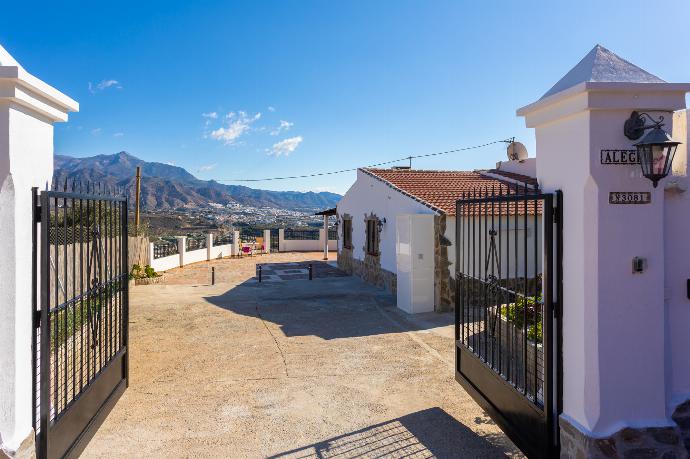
x: 247, y: 250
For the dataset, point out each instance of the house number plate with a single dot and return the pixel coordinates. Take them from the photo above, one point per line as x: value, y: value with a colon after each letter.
x: 630, y: 197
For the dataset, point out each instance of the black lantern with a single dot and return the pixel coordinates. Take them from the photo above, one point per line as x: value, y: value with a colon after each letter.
x: 656, y: 149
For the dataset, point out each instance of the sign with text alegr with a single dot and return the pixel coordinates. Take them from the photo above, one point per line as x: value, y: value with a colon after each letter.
x: 619, y: 157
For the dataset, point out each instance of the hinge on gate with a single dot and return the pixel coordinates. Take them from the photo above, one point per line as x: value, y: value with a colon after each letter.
x: 37, y: 214
x: 37, y: 319
x: 555, y: 214
x: 556, y: 310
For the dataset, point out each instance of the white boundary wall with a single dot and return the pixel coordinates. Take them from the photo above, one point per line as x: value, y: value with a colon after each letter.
x: 183, y: 258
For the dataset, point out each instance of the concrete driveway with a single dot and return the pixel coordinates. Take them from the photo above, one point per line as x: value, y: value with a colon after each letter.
x: 300, y: 369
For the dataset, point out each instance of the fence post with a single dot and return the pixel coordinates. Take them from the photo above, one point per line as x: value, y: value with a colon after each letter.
x: 236, y: 243
x: 209, y: 246
x: 267, y: 241
x: 281, y: 240
x: 150, y: 263
x: 182, y: 248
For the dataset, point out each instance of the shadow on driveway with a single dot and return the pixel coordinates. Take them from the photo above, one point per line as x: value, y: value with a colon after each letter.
x: 427, y: 433
x: 330, y: 307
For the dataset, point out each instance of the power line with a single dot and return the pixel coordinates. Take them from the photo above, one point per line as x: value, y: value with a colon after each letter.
x: 406, y: 158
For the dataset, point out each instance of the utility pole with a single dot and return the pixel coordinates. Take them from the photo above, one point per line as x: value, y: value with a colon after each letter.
x: 136, y: 201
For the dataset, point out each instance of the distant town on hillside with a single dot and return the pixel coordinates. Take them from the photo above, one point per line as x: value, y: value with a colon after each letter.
x: 173, y: 201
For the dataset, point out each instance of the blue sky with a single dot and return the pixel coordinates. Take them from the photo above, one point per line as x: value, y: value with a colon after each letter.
x: 269, y: 88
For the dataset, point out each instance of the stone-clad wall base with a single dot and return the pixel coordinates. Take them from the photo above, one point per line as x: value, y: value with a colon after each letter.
x: 368, y: 270
x: 628, y: 443
x: 27, y: 449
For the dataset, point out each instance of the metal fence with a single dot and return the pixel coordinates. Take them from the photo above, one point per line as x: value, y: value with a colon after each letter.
x: 223, y: 239
x: 275, y: 240
x: 250, y: 234
x: 195, y: 243
x: 163, y: 249
x: 301, y: 235
x: 332, y: 234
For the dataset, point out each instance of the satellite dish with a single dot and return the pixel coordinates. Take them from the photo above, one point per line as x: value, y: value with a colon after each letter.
x: 517, y: 152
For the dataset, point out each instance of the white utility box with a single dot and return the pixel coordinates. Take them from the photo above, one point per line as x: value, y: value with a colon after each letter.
x: 415, y: 262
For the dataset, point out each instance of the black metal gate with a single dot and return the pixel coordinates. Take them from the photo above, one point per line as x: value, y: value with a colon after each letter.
x: 507, y: 327
x: 80, y: 314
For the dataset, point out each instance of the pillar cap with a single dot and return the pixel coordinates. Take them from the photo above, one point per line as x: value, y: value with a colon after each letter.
x: 604, y: 80
x: 30, y: 92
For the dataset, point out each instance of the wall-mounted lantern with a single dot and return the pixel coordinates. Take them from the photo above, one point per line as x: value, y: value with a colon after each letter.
x: 656, y: 149
x: 380, y: 223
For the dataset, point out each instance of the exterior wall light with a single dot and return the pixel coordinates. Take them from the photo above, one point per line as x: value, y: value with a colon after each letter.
x: 380, y: 224
x: 656, y: 149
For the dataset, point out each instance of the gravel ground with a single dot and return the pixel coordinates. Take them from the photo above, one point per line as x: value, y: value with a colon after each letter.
x: 299, y: 369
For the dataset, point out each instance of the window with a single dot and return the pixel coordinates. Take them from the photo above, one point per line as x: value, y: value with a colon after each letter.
x: 372, y: 236
x: 347, y: 233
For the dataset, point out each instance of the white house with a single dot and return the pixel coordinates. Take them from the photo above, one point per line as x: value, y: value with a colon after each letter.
x: 369, y: 212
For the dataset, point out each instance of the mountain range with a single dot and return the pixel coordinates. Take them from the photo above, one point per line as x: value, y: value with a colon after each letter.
x: 166, y: 187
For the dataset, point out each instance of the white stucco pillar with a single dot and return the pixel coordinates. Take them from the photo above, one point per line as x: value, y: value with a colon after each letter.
x: 281, y: 240
x: 209, y: 245
x: 267, y: 241
x: 325, y: 237
x: 28, y: 109
x: 151, y: 258
x: 615, y: 325
x: 182, y: 248
x: 236, y: 245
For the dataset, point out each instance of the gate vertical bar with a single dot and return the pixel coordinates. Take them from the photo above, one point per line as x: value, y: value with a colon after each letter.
x: 125, y: 317
x: 559, y: 314
x: 548, y: 316
x: 44, y: 385
x: 35, y: 324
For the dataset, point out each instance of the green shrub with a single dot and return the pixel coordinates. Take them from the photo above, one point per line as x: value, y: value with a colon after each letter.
x: 146, y: 272
x: 526, y: 308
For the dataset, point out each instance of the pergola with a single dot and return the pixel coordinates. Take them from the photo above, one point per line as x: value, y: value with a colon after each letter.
x: 326, y: 213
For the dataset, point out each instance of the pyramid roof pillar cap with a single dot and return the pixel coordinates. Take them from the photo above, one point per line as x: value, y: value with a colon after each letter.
x: 30, y: 92
x: 603, y: 80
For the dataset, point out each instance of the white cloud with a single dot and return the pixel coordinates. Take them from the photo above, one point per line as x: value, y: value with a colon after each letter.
x: 237, y: 124
x: 322, y: 189
x: 271, y: 108
x: 96, y: 131
x: 105, y: 84
x: 170, y: 163
x: 210, y: 115
x: 118, y: 134
x: 283, y: 126
x: 285, y: 147
x: 206, y: 168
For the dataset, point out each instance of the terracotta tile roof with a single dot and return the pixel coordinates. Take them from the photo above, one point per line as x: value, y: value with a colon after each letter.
x: 513, y: 177
x: 439, y: 190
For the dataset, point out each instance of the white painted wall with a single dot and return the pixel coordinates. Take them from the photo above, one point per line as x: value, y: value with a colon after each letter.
x: 221, y: 251
x: 369, y: 195
x: 309, y: 245
x: 510, y: 230
x: 28, y: 107
x: 677, y: 270
x: 165, y: 263
x: 614, y: 323
x: 206, y: 254
x: 195, y: 256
